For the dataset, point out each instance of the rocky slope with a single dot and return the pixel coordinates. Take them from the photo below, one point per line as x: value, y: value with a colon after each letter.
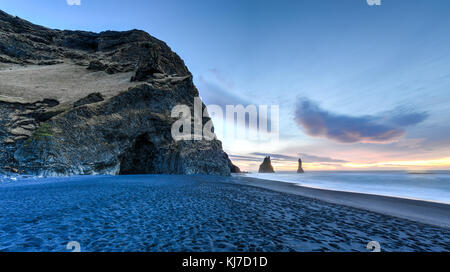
x: 77, y: 103
x: 266, y: 166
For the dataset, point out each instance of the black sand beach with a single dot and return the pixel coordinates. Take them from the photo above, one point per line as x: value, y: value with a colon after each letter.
x: 416, y: 210
x: 180, y: 213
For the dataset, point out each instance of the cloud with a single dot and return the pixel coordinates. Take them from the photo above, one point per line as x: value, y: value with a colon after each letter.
x: 405, y: 117
x: 245, y: 158
x: 213, y: 94
x: 258, y: 157
x: 275, y: 156
x: 73, y: 2
x: 413, y: 143
x: 216, y: 94
x: 221, y: 78
x: 385, y: 128
x: 312, y: 158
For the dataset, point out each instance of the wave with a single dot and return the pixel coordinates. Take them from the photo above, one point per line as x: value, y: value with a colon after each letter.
x: 431, y: 187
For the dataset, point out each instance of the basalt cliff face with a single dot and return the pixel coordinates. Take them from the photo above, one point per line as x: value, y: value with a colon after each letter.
x: 80, y: 103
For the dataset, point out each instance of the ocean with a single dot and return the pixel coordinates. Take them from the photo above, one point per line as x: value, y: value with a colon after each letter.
x: 427, y: 186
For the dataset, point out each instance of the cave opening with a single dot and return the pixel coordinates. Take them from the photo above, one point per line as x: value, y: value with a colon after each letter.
x: 139, y: 158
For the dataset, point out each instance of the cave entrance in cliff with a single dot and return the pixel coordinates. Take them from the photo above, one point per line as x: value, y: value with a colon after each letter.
x: 138, y: 159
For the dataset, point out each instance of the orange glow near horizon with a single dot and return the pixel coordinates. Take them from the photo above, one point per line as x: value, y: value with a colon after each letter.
x: 442, y: 163
x: 433, y: 163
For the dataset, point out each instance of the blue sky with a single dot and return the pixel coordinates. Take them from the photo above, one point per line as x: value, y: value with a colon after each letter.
x: 379, y: 75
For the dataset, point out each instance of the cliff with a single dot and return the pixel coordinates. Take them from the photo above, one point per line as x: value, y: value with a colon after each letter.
x: 266, y: 166
x: 80, y: 103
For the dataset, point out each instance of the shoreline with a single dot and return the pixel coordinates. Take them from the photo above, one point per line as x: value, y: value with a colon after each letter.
x: 426, y: 212
x: 431, y: 213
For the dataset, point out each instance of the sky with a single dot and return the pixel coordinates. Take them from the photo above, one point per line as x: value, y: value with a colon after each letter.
x: 359, y: 87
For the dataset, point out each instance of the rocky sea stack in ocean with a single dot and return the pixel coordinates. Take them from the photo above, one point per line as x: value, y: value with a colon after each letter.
x: 266, y: 166
x: 80, y: 103
x: 300, y: 167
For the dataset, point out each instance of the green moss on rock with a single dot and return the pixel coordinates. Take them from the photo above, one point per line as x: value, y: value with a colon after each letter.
x: 44, y: 131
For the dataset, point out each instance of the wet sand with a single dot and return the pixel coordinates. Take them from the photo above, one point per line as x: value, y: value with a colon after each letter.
x: 416, y: 210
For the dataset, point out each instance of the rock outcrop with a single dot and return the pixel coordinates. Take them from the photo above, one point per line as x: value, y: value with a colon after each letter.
x: 81, y: 103
x: 266, y: 166
x: 300, y: 167
x: 233, y: 168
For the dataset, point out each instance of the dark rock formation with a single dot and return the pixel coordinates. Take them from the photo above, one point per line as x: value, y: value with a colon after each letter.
x: 300, y: 167
x: 110, y: 51
x: 266, y: 166
x: 90, y: 99
x: 233, y: 168
x: 77, y: 103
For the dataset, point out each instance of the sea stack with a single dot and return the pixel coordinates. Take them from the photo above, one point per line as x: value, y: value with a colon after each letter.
x: 266, y: 166
x: 300, y: 168
x: 84, y: 103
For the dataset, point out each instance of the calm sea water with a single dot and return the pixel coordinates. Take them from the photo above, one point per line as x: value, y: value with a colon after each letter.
x: 433, y: 186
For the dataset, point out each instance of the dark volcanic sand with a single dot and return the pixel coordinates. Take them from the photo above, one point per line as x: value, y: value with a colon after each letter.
x: 179, y: 213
